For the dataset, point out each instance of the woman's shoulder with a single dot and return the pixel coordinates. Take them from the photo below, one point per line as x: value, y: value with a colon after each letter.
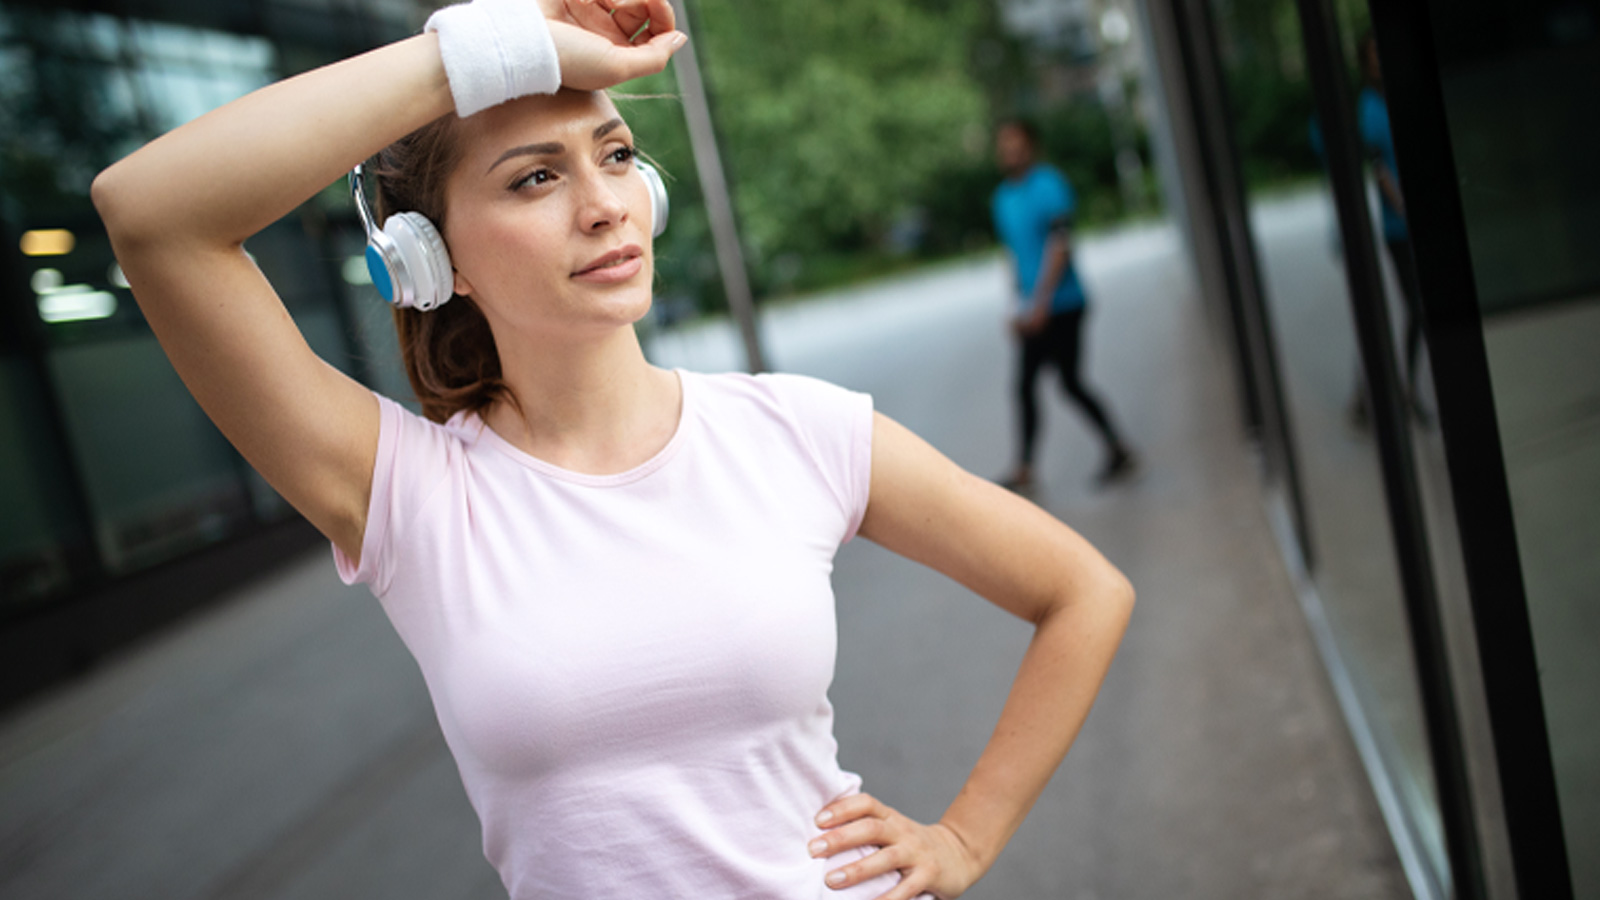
x: 416, y: 447
x: 821, y: 431
x: 406, y: 418
x: 787, y: 392
x: 795, y: 410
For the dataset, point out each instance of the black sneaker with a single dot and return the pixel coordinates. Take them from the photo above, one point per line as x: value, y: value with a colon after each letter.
x: 1118, y: 467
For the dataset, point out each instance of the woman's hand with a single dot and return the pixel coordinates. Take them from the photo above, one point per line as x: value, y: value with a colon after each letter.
x: 931, y: 858
x: 605, y: 42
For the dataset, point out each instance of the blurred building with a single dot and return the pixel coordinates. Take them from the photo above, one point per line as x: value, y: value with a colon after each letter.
x: 111, y: 475
x: 1441, y: 520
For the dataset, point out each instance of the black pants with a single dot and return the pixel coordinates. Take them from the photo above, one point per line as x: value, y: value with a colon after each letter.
x: 1058, y: 345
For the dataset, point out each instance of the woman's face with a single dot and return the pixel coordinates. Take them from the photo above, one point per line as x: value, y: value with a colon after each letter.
x: 548, y: 220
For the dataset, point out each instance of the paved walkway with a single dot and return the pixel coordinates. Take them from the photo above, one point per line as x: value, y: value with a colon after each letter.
x: 281, y: 746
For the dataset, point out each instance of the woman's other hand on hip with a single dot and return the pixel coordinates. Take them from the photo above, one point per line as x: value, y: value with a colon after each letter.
x: 931, y: 859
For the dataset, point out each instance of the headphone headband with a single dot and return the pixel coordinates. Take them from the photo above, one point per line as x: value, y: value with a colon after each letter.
x: 358, y: 190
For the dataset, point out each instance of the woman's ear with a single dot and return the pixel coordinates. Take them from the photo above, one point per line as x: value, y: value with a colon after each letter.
x: 462, y: 286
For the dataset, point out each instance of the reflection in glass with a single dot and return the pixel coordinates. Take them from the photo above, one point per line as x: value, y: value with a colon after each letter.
x: 1297, y: 242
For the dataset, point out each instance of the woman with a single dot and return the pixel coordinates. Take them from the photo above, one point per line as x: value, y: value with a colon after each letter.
x: 613, y: 577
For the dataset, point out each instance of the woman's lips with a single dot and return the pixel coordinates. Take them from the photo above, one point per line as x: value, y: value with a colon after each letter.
x: 618, y: 265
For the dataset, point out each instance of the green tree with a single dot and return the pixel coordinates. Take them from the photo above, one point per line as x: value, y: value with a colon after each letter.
x: 836, y: 118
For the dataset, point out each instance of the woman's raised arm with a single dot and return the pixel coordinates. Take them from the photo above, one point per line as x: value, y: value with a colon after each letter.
x: 179, y: 210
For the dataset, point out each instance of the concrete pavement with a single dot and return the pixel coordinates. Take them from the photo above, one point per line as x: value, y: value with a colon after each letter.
x: 281, y: 746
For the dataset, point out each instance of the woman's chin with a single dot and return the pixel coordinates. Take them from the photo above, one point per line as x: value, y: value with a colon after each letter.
x: 617, y: 308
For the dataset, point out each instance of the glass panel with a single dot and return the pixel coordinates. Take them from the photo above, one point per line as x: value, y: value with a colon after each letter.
x: 1296, y: 236
x: 1519, y: 90
x: 1545, y: 366
x: 159, y: 476
x: 38, y: 526
x: 77, y: 91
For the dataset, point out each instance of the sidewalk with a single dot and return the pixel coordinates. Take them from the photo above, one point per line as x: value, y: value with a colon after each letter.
x: 282, y: 745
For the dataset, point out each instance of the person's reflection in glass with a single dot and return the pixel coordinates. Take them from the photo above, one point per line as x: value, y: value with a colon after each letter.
x: 1372, y: 118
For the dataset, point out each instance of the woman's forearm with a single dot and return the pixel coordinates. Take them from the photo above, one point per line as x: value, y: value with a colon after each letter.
x: 1055, y: 687
x: 230, y: 173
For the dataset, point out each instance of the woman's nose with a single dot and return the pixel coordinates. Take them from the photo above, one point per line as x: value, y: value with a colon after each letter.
x: 602, y: 206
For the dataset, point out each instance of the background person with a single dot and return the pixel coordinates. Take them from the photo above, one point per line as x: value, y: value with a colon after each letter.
x: 1372, y: 118
x: 1033, y: 209
x: 614, y: 577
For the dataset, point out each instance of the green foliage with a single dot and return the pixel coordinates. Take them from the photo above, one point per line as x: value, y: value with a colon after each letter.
x: 835, y: 118
x: 686, y: 267
x: 1269, y: 90
x: 1272, y: 121
x: 856, y: 138
x: 1076, y: 138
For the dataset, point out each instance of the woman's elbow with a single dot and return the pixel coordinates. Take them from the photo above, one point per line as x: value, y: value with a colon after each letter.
x: 109, y: 194
x: 1112, y: 592
x: 1122, y: 594
x: 1098, y: 590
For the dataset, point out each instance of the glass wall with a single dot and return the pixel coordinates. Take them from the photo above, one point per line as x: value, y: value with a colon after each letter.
x: 1295, y: 232
x: 1519, y: 88
x: 107, y: 466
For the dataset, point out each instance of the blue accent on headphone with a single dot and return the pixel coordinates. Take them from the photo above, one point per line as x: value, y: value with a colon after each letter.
x: 379, y: 273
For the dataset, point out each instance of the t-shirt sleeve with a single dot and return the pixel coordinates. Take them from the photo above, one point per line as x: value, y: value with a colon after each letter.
x: 836, y: 429
x: 413, y: 457
x: 1056, y: 198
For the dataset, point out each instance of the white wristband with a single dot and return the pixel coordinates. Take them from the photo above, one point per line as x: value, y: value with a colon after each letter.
x: 494, y: 51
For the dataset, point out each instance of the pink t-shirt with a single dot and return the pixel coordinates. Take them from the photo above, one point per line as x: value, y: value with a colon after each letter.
x: 632, y: 669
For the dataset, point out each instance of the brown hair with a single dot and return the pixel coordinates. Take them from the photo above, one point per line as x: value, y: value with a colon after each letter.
x: 449, y: 352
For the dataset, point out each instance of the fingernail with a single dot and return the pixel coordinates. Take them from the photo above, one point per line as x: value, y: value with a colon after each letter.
x: 679, y: 38
x: 824, y: 817
x: 836, y: 877
x: 817, y: 846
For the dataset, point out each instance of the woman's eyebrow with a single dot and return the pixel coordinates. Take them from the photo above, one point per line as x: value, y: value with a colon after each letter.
x: 549, y: 148
x: 552, y: 148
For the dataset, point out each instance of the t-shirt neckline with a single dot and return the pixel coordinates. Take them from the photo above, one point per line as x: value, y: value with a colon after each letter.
x: 616, y: 479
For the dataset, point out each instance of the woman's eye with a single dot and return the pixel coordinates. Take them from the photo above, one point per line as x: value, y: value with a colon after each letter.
x: 536, y: 178
x: 622, y: 154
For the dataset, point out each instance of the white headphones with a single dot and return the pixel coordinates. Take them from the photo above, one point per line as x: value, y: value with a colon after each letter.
x: 407, y: 258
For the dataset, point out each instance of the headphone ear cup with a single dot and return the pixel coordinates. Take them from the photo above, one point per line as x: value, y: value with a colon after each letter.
x: 658, y: 197
x: 424, y: 280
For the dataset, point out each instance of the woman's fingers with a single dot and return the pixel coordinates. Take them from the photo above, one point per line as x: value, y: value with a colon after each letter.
x: 867, y: 868
x: 590, y: 62
x: 594, y: 16
x: 929, y: 858
x: 621, y: 22
x: 860, y: 833
x: 846, y: 809
x: 859, y: 821
x: 632, y: 17
x: 907, y: 888
x: 648, y: 57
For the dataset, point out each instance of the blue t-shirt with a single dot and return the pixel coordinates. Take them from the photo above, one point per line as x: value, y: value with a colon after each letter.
x: 1373, y: 115
x: 1025, y: 210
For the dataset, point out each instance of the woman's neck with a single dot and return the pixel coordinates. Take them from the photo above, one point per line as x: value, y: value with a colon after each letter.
x: 597, y: 408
